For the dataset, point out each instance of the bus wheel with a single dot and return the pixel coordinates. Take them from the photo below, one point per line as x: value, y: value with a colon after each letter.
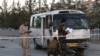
x: 36, y: 46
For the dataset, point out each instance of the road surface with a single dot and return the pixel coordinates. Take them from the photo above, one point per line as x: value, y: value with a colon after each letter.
x: 12, y: 47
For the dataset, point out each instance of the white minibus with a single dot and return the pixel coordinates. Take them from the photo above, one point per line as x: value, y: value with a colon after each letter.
x: 44, y: 27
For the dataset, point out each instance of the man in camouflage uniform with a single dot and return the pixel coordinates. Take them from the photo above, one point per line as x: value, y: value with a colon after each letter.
x: 62, y: 37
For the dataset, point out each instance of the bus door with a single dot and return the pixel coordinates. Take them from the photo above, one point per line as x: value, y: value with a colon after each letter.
x: 47, y: 28
x: 36, y: 24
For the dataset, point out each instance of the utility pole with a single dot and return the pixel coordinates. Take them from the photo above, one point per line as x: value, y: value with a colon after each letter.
x: 30, y: 8
x: 53, y: 1
x: 46, y: 6
x: 18, y: 5
x: 76, y: 6
x: 39, y: 6
x: 5, y: 11
x: 13, y: 6
x: 62, y: 1
x: 69, y: 3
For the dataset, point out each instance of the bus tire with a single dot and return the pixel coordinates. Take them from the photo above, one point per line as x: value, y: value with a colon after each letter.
x: 36, y: 46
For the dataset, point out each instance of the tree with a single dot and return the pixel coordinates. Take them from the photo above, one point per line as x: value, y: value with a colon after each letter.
x: 15, y: 16
x: 94, y: 16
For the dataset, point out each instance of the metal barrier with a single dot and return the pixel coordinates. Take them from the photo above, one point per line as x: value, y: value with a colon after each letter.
x: 95, y: 34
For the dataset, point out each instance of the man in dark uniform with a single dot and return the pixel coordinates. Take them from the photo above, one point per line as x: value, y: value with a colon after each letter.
x: 61, y: 30
x: 62, y: 37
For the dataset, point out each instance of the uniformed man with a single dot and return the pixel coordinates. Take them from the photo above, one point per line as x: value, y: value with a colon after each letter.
x: 62, y: 34
x: 61, y: 30
x: 24, y: 38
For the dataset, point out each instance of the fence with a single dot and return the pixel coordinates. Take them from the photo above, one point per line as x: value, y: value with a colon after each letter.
x: 95, y: 34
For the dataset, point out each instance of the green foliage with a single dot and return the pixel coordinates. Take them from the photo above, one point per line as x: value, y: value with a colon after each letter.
x: 16, y: 16
x: 94, y: 19
x: 94, y: 16
x: 13, y: 19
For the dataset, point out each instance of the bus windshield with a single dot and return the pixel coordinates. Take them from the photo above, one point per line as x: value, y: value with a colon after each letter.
x: 75, y: 21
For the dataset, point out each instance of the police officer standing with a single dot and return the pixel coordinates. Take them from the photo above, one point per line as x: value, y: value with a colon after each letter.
x: 24, y: 38
x: 61, y: 30
x: 62, y: 37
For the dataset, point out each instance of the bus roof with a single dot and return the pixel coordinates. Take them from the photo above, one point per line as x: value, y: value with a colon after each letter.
x: 59, y: 12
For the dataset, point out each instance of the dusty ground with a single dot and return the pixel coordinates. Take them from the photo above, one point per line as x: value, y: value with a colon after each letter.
x: 13, y: 48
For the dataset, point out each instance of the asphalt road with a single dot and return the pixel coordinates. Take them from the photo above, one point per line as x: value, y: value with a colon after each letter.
x: 12, y: 47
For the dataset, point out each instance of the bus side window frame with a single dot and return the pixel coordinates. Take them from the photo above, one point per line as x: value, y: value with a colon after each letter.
x: 46, y: 22
x: 37, y: 17
x: 32, y: 22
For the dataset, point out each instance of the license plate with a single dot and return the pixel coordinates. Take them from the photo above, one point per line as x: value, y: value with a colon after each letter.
x: 72, y: 45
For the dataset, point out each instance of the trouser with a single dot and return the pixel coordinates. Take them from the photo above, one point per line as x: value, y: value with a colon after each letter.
x: 26, y: 52
x: 26, y: 47
x: 62, y: 44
